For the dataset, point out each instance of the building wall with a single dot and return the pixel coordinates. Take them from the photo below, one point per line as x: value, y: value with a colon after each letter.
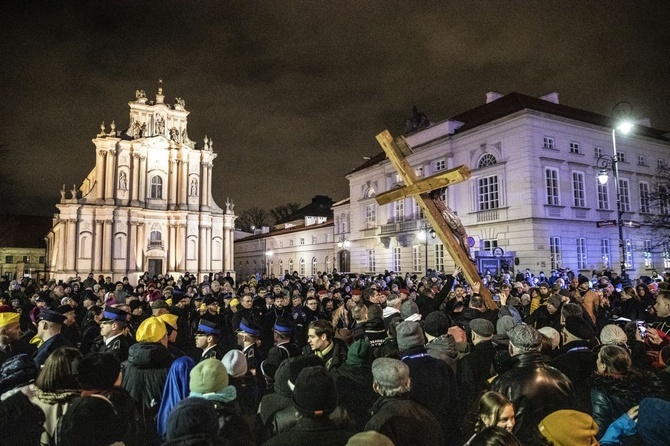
x: 523, y: 222
x: 146, y: 205
x: 20, y: 262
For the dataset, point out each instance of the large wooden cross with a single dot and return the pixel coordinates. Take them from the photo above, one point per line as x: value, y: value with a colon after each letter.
x: 444, y: 222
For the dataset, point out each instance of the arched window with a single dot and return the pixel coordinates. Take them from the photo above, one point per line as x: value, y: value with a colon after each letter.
x: 192, y: 248
x: 120, y: 247
x: 281, y: 267
x: 486, y: 160
x: 155, y: 240
x: 328, y: 265
x: 370, y: 192
x: 314, y: 263
x: 85, y: 247
x: 302, y: 267
x: 290, y: 266
x: 156, y: 187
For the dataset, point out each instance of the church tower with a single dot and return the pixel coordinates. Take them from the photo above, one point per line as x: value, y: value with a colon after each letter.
x: 147, y: 203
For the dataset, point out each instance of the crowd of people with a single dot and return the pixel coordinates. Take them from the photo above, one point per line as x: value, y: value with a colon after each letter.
x: 336, y: 359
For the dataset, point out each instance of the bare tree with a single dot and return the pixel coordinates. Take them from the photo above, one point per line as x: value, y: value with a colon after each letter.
x: 280, y: 212
x: 252, y: 218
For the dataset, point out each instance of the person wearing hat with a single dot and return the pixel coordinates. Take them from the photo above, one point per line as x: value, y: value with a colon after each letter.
x: 159, y: 307
x: 576, y: 360
x: 548, y: 314
x: 276, y: 312
x: 441, y: 344
x: 146, y: 370
x: 172, y: 326
x: 568, y: 428
x: 249, y: 339
x: 207, y: 339
x: 475, y: 368
x: 69, y: 328
x: 391, y: 381
x: 10, y: 331
x: 49, y: 325
x: 535, y: 388
x: 434, y: 382
x: 591, y: 300
x: 314, y: 398
x: 112, y: 330
x: 283, y: 348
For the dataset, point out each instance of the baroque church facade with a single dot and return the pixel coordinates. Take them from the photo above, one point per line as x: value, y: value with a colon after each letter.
x: 146, y: 206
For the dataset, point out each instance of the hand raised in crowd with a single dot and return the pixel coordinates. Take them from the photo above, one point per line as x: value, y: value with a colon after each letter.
x: 457, y: 271
x: 476, y: 287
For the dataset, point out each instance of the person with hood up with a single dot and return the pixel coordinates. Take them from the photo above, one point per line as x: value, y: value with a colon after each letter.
x: 193, y: 422
x: 441, y: 344
x: 176, y: 389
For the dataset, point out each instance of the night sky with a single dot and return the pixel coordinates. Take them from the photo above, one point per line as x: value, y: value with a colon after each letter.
x: 294, y: 92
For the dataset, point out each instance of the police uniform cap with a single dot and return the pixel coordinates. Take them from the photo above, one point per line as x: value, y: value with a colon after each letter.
x: 208, y: 328
x: 51, y: 316
x: 283, y: 326
x: 250, y: 328
x: 114, y: 314
x: 64, y: 309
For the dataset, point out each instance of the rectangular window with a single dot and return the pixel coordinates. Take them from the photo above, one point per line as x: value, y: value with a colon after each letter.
x: 416, y: 258
x: 302, y: 267
x: 418, y: 171
x: 326, y: 238
x: 662, y: 200
x: 598, y: 152
x: 605, y: 252
x: 660, y: 164
x: 42, y: 260
x: 603, y: 197
x: 281, y: 243
x: 314, y: 240
x: 574, y: 147
x: 488, y: 245
x: 26, y: 259
x: 621, y: 156
x: 644, y: 198
x: 581, y: 253
x: 628, y: 250
x: 551, y: 181
x: 302, y: 240
x: 370, y: 216
x: 578, y: 194
x: 399, y: 210
x: 418, y: 210
x: 624, y: 193
x: 555, y: 251
x: 440, y: 165
x: 290, y: 242
x: 647, y: 253
x: 9, y: 259
x: 371, y: 260
x: 396, y: 259
x: 548, y: 143
x: 641, y: 160
x: 439, y: 257
x: 487, y: 193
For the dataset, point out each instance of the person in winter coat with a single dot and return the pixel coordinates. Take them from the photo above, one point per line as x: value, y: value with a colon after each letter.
x: 146, y: 370
x: 618, y: 386
x: 193, y: 422
x: 441, y: 344
x: 394, y: 414
x: 176, y: 389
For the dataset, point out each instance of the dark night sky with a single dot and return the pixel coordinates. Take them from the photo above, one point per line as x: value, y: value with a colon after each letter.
x: 294, y: 92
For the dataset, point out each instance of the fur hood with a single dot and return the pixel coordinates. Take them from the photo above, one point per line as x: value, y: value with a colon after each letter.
x: 632, y: 387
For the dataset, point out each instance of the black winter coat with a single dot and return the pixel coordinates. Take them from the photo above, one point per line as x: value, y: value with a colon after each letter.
x: 578, y: 362
x: 310, y: 432
x: 611, y: 397
x: 536, y: 389
x: 405, y: 422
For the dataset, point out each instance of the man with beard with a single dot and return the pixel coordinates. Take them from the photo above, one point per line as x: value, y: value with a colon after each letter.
x: 590, y: 299
x: 272, y: 315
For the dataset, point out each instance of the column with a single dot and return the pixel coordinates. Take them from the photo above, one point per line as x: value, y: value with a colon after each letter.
x: 142, y: 190
x: 181, y: 254
x: 135, y: 173
x: 61, y: 246
x: 132, y: 247
x: 100, y: 174
x: 172, y: 184
x: 209, y: 182
x: 110, y: 176
x: 141, y: 245
x: 107, y: 247
x: 208, y: 244
x: 171, y: 246
x: 202, y: 254
x: 71, y: 244
x: 184, y: 187
x: 203, y: 184
x: 97, y: 247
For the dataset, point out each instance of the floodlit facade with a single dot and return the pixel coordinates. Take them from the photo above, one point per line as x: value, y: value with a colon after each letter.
x: 533, y: 199
x: 146, y: 205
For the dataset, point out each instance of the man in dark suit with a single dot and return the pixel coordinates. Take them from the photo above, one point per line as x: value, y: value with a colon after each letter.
x: 112, y: 330
x: 49, y: 325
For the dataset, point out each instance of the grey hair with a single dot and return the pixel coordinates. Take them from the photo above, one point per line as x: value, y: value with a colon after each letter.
x: 525, y: 338
x: 391, y: 377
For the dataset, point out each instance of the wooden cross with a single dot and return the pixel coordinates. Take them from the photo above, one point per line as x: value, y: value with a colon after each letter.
x: 444, y: 222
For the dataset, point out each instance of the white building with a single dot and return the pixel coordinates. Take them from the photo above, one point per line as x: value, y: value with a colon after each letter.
x: 146, y: 205
x: 301, y: 242
x: 533, y: 193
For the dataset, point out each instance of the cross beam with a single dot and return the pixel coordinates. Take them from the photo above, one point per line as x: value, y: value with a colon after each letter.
x: 434, y: 209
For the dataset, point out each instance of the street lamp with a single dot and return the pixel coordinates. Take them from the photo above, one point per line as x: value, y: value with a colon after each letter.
x: 605, y: 162
x: 268, y: 255
x: 423, y: 235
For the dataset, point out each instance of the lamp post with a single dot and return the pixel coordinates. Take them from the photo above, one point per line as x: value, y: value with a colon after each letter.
x: 605, y: 162
x: 268, y: 255
x: 423, y: 235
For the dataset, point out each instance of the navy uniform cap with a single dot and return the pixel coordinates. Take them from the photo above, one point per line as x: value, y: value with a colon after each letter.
x: 283, y: 326
x: 208, y: 328
x: 62, y: 309
x: 114, y: 314
x: 250, y: 328
x: 51, y: 316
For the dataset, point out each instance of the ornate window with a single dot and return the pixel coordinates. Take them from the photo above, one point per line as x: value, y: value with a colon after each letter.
x: 156, y: 187
x: 487, y: 160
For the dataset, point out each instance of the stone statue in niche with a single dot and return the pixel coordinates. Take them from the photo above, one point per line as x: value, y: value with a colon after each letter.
x: 136, y: 130
x: 62, y: 193
x: 229, y: 205
x: 184, y: 136
x: 143, y: 130
x: 160, y: 125
x: 123, y: 181
x: 194, y: 188
x: 174, y: 134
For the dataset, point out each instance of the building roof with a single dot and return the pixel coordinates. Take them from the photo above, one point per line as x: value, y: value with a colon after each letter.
x: 515, y: 102
x: 24, y: 231
x: 328, y: 222
x: 319, y: 207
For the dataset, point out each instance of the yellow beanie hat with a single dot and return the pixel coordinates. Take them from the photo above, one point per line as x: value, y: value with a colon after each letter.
x: 569, y: 428
x: 151, y: 330
x: 170, y: 319
x: 8, y: 318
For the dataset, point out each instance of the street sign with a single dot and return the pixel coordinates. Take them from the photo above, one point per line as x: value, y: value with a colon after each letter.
x: 498, y: 252
x: 631, y: 224
x: 605, y: 223
x: 471, y: 242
